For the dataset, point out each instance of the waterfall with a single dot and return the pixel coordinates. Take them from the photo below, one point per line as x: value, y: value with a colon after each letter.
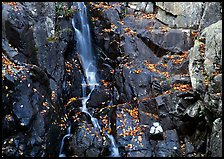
x: 84, y: 47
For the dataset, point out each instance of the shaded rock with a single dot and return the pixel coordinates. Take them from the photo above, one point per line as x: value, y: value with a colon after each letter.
x: 99, y: 97
x: 112, y: 15
x: 217, y: 85
x: 189, y: 148
x: 30, y: 111
x: 136, y: 49
x: 174, y: 68
x: 92, y: 152
x: 170, y: 147
x: 208, y: 18
x: 18, y: 32
x: 174, y: 40
x: 146, y: 110
x: 86, y: 142
x: 37, y: 42
x: 165, y: 85
x: 140, y: 25
x: 215, y: 146
x: 136, y: 85
x: 145, y: 53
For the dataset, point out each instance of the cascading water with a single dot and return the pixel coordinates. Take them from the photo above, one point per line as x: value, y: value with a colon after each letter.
x: 62, y: 143
x: 85, y: 49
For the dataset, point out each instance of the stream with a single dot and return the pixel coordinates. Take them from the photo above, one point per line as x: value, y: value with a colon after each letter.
x: 84, y: 46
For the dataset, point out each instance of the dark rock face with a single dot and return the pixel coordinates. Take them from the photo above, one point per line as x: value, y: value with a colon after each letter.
x: 215, y: 145
x: 169, y: 148
x: 151, y: 69
x: 87, y: 141
x: 37, y: 40
x: 174, y: 40
x: 28, y: 110
x: 33, y: 103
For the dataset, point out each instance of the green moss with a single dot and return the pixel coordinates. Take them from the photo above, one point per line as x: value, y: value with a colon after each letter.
x: 52, y: 38
x: 63, y: 10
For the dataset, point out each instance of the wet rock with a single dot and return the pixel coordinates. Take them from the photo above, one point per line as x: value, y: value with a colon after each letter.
x: 170, y: 147
x: 99, y: 97
x: 72, y: 86
x: 86, y: 141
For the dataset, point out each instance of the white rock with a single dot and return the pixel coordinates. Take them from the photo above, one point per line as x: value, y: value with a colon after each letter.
x: 156, y: 124
x: 152, y: 130
x: 159, y: 129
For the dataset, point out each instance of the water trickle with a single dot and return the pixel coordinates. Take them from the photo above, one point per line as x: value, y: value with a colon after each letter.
x: 84, y: 47
x: 61, y: 154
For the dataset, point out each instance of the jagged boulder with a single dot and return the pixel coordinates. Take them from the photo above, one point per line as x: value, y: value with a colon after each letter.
x: 205, y: 66
x: 180, y: 14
